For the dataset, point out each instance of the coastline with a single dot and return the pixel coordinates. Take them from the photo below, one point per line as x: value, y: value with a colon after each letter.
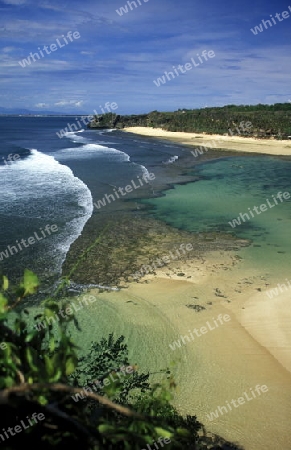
x: 217, y: 142
x: 155, y: 311
x: 160, y: 307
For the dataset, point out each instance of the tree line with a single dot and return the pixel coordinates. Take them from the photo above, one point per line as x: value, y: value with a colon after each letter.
x: 266, y: 121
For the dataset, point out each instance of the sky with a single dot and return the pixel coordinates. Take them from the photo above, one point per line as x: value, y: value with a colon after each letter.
x: 113, y: 58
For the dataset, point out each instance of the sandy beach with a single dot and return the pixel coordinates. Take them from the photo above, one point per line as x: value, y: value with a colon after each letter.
x: 228, y: 361
x: 216, y: 141
x: 231, y: 358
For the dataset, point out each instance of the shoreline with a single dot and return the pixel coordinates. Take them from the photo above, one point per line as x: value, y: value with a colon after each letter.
x: 157, y: 310
x: 160, y: 307
x: 217, y: 142
x: 265, y: 319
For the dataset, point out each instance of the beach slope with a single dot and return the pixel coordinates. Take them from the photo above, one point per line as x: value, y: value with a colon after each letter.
x: 216, y: 141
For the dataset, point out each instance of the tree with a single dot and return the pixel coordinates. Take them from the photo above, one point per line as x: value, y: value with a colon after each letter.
x: 43, y: 399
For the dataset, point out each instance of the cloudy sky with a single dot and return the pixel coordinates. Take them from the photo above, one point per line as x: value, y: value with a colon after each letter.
x: 118, y: 56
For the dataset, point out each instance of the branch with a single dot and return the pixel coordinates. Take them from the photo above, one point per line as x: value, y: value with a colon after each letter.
x: 62, y: 415
x: 5, y: 393
x: 53, y: 412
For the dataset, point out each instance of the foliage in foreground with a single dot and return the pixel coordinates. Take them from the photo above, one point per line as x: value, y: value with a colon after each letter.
x: 40, y: 373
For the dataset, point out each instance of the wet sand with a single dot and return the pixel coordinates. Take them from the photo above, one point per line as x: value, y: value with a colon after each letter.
x: 268, y: 321
x: 252, y: 349
x: 216, y: 141
x: 218, y: 366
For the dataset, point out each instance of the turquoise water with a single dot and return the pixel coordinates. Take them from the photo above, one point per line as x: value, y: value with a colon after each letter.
x: 228, y: 187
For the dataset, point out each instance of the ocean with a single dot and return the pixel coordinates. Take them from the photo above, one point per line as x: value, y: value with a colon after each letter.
x: 47, y: 181
x: 53, y: 181
x: 228, y: 199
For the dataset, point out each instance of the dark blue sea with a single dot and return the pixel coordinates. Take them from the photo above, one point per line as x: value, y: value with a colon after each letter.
x: 48, y: 180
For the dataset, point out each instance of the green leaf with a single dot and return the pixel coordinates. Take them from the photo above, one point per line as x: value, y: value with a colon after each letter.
x: 52, y: 343
x: 30, y: 336
x: 106, y: 428
x: 30, y: 282
x: 70, y: 366
x: 30, y: 359
x: 49, y: 365
x: 3, y: 304
x: 163, y: 433
x: 183, y: 432
x: 42, y: 400
x: 5, y: 284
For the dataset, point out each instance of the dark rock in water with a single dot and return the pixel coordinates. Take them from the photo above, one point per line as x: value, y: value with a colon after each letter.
x: 218, y: 293
x: 130, y: 241
x: 197, y: 308
x: 210, y: 441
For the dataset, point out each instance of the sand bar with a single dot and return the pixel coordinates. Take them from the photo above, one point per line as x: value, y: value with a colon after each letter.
x: 218, y: 366
x: 268, y: 321
x: 216, y: 141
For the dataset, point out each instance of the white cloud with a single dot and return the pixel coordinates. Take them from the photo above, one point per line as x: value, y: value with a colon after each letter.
x: 76, y: 103
x: 8, y: 49
x: 42, y: 105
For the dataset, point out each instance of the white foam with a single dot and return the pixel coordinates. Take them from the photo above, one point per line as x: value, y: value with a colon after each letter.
x: 74, y: 137
x: 171, y: 160
x: 88, y: 151
x: 109, y: 130
x: 144, y: 170
x: 42, y: 188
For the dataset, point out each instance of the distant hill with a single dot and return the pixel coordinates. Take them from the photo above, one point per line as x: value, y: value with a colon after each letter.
x: 23, y: 111
x: 264, y: 121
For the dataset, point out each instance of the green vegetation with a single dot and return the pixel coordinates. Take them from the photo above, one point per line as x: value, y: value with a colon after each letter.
x: 266, y: 120
x: 41, y: 374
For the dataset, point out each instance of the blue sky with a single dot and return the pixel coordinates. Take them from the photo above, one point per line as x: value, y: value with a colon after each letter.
x: 116, y: 58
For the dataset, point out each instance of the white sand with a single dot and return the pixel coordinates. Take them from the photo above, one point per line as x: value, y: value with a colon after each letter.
x: 215, y: 141
x: 269, y: 322
x: 234, y: 357
x: 223, y: 363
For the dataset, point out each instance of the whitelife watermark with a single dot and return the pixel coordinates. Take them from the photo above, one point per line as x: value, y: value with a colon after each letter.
x: 188, y: 66
x: 161, y: 441
x: 71, y: 127
x: 242, y: 128
x: 267, y: 23
x: 241, y: 401
x: 69, y: 311
x: 124, y: 9
x: 11, y: 158
x: 160, y: 262
x: 25, y: 243
x: 121, y: 373
x: 53, y: 47
x: 271, y: 293
x: 108, y: 198
x: 259, y: 209
x: 220, y: 320
x: 33, y: 420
